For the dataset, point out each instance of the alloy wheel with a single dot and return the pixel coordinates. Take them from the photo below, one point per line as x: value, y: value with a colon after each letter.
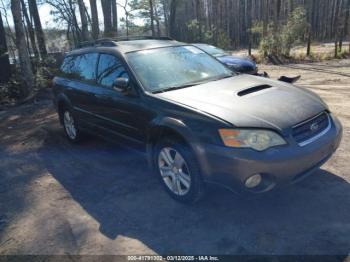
x: 69, y: 125
x: 174, y: 171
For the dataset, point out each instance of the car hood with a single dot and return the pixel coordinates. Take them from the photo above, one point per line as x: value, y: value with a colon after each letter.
x: 250, y: 101
x: 237, y: 60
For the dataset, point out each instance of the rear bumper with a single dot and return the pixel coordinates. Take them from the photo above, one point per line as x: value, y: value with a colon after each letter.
x: 230, y: 167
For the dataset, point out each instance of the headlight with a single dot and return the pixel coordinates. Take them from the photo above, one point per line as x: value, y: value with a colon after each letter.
x: 253, y: 138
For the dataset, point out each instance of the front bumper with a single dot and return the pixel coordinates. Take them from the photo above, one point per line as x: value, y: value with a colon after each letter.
x: 231, y: 167
x: 250, y: 71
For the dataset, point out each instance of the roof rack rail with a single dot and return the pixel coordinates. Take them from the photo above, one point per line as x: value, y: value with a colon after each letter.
x: 98, y: 42
x: 141, y: 37
x: 112, y: 41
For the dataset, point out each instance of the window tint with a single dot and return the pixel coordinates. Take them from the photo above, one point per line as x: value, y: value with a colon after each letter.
x: 81, y: 67
x: 87, y: 66
x: 177, y: 66
x: 68, y: 66
x: 212, y: 50
x: 109, y: 68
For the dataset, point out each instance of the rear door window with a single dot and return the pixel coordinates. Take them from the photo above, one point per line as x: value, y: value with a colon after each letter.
x: 81, y: 67
x: 86, y: 65
x: 110, y: 68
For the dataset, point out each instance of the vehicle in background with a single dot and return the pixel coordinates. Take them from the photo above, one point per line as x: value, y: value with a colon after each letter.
x: 236, y: 63
x: 240, y: 64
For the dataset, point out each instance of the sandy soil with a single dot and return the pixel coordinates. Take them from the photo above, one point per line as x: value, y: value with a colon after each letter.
x: 98, y: 198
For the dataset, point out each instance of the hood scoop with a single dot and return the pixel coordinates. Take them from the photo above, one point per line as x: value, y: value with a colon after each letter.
x: 253, y: 89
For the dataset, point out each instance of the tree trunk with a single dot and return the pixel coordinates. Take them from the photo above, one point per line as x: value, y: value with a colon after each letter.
x: 346, y: 23
x: 151, y: 16
x: 346, y: 27
x: 265, y: 20
x: 27, y: 38
x: 156, y: 16
x: 94, y: 17
x: 4, y: 57
x: 198, y: 18
x: 277, y: 9
x: 291, y: 6
x: 249, y: 25
x: 308, y: 49
x: 309, y: 39
x: 114, y: 18
x: 266, y: 16
x: 33, y: 9
x: 277, y: 15
x: 341, y: 30
x: 335, y: 48
x: 107, y: 17
x: 127, y: 22
x: 3, y: 44
x: 172, y: 18
x: 24, y: 60
x: 84, y: 22
x: 336, y: 24
x: 30, y: 30
x: 166, y: 18
x: 74, y: 21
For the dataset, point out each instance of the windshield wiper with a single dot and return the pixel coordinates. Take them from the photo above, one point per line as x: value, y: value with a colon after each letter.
x: 192, y: 84
x: 175, y: 88
x: 223, y: 77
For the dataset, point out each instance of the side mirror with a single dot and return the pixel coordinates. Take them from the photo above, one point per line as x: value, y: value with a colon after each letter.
x: 121, y: 84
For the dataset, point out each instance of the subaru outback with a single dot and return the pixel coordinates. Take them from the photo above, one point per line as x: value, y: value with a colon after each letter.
x: 197, y: 121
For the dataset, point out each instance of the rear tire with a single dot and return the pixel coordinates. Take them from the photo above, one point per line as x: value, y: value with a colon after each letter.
x: 70, y: 126
x: 178, y: 170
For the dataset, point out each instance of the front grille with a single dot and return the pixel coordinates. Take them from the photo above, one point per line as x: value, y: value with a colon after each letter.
x: 311, y: 128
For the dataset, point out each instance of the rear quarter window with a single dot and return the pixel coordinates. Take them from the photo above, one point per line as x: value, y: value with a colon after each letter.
x: 67, y: 67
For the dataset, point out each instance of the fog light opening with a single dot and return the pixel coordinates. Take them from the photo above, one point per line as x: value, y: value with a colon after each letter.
x: 253, y: 181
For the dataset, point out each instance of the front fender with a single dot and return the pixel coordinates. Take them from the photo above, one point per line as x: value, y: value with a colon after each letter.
x: 62, y: 98
x: 177, y: 126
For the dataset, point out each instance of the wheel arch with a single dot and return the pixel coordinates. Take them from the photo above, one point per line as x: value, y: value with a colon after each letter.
x: 171, y: 127
x: 62, y: 102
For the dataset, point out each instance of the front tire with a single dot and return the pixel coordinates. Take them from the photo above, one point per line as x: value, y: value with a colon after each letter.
x: 70, y: 127
x: 178, y: 170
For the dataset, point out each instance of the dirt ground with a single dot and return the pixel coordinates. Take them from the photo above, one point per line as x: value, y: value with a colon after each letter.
x: 326, y: 49
x: 98, y: 198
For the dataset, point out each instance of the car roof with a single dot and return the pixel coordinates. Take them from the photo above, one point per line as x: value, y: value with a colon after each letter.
x: 203, y: 44
x: 138, y: 45
x: 125, y: 46
x: 199, y: 44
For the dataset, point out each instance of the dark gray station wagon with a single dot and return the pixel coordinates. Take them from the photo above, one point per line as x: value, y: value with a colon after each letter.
x: 197, y: 121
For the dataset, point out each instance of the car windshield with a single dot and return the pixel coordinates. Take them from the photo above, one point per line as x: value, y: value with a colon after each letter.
x: 214, y: 51
x: 175, y: 67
